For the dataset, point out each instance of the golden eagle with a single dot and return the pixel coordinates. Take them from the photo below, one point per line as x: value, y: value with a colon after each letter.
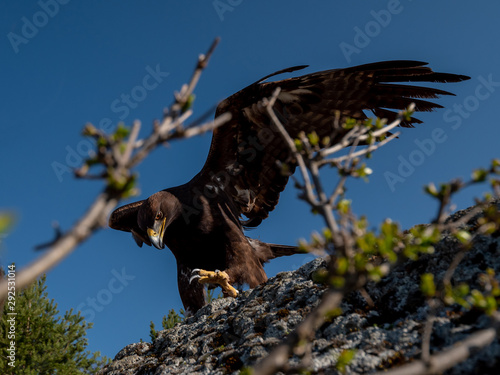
x: 201, y: 221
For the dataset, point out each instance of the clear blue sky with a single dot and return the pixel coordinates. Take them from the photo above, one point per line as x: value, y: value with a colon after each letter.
x: 75, y: 61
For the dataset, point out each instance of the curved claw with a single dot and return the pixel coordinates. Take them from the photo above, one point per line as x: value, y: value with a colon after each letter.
x: 194, y: 277
x: 214, y: 277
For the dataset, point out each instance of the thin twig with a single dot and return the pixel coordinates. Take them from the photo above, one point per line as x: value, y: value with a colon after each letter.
x: 347, y: 139
x: 291, y: 145
x: 187, y: 90
x: 358, y: 153
x: 134, y: 133
x: 427, y: 333
x: 209, y: 126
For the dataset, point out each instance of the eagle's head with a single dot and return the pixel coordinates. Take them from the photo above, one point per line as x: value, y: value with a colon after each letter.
x: 156, y: 214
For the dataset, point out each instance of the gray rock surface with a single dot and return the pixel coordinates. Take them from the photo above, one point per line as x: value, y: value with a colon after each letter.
x: 230, y: 333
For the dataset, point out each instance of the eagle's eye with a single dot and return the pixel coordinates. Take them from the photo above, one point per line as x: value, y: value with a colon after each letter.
x: 158, y: 216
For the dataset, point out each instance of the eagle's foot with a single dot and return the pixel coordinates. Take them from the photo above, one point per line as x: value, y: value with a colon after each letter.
x: 215, y: 277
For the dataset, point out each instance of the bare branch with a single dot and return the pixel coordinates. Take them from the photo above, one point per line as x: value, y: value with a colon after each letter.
x: 187, y: 90
x: 209, y: 126
x: 359, y: 153
x: 120, y: 165
x: 427, y: 333
x: 89, y: 223
x: 136, y: 127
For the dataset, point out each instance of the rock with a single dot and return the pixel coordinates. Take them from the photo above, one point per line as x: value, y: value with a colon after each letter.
x: 228, y: 334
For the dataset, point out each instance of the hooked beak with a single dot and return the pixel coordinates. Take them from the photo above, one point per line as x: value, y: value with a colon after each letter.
x: 156, y: 234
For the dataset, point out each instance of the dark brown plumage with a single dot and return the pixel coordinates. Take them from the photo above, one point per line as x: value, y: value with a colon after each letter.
x: 201, y: 221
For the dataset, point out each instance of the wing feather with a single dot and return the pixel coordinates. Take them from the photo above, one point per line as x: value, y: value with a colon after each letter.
x: 252, y: 157
x: 125, y: 218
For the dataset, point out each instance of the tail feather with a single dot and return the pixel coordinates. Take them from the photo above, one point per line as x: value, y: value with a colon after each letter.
x: 267, y: 251
x: 283, y: 250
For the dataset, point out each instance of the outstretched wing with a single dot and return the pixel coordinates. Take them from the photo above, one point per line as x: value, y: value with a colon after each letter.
x: 125, y: 219
x: 246, y: 155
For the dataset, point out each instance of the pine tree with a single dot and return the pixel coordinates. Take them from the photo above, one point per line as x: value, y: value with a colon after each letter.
x: 167, y: 323
x: 45, y: 343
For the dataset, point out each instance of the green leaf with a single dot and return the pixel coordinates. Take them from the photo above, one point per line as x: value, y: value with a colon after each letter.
x: 407, y: 115
x: 479, y: 175
x: 491, y: 305
x: 125, y: 185
x: 285, y: 169
x: 316, y: 239
x: 343, y: 206
x: 303, y: 245
x: 121, y: 132
x: 89, y: 130
x: 298, y: 144
x: 327, y: 234
x: 333, y: 313
x: 345, y: 358
x: 6, y: 221
x: 320, y: 276
x: 478, y: 299
x: 246, y: 371
x: 101, y: 142
x: 342, y: 265
x: 427, y: 285
x: 337, y: 281
x: 313, y: 138
x: 349, y: 123
x: 380, y: 123
x: 189, y: 103
x: 431, y: 190
x: 463, y: 236
x: 376, y: 273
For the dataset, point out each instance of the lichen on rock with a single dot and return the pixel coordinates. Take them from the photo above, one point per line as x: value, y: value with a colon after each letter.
x: 228, y: 334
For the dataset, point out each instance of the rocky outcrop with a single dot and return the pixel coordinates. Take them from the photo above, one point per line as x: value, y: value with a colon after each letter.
x: 229, y: 334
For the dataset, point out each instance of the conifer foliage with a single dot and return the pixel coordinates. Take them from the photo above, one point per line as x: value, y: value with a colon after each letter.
x: 45, y: 342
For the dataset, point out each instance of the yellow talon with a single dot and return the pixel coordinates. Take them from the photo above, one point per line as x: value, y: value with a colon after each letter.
x: 216, y: 277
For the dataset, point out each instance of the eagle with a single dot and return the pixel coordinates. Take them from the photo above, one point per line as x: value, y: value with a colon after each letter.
x: 203, y: 221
